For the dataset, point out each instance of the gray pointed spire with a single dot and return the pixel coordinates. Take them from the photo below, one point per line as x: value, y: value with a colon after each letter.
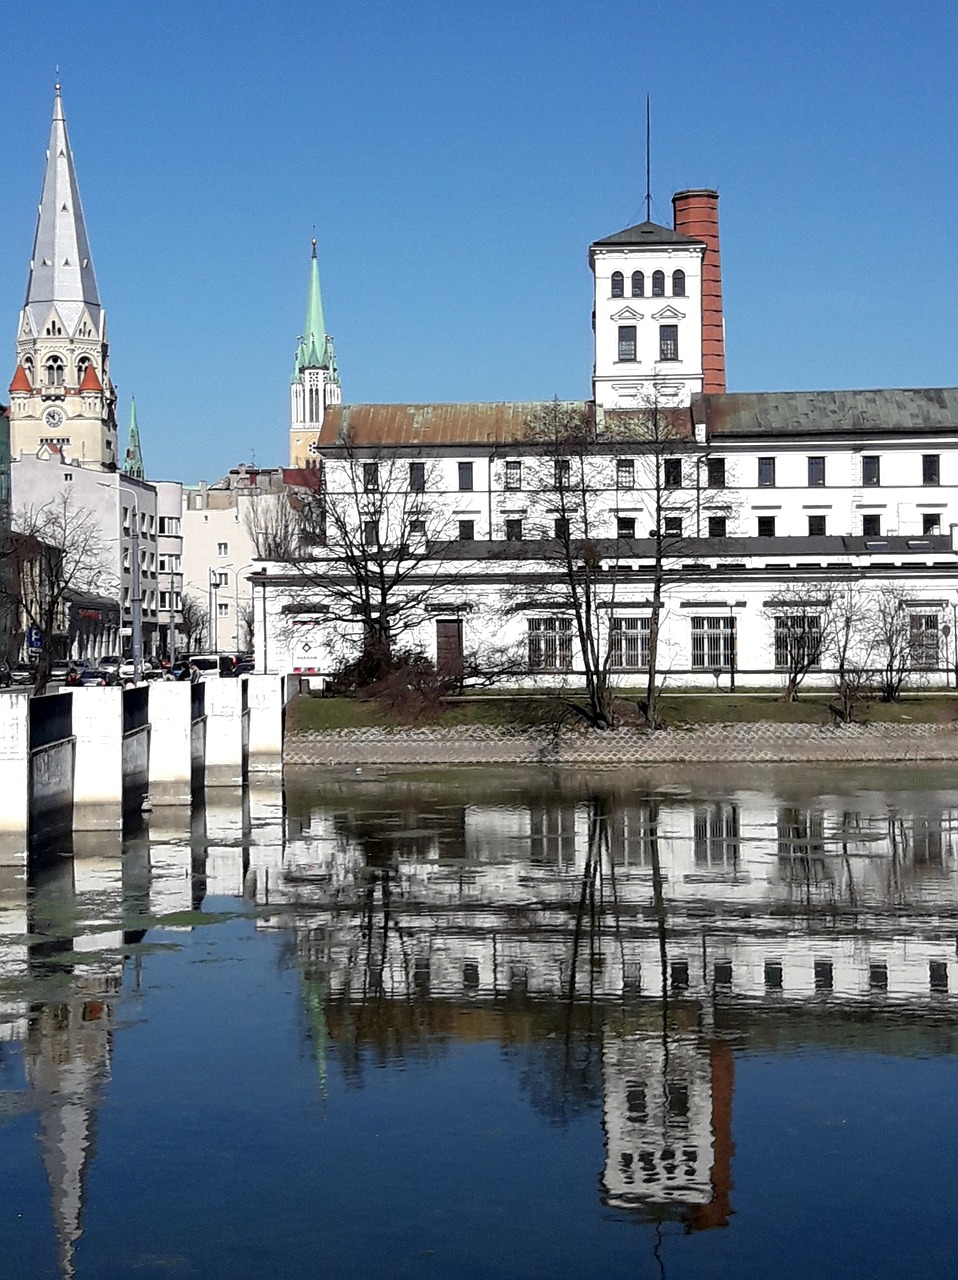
x: 61, y: 271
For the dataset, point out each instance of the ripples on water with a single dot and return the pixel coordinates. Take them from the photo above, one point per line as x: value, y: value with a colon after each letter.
x: 491, y: 1024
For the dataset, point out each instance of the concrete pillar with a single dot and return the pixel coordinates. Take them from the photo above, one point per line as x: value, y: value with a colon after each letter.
x: 170, y: 751
x: 98, y: 777
x: 14, y: 774
x: 265, y: 701
x: 225, y: 726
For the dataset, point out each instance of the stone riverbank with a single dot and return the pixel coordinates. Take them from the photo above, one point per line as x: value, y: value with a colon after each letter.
x: 761, y: 743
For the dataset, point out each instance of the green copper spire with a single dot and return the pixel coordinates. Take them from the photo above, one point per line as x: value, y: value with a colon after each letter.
x: 133, y: 464
x: 315, y: 349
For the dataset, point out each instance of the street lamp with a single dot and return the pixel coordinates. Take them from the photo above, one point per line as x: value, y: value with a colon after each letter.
x: 213, y: 628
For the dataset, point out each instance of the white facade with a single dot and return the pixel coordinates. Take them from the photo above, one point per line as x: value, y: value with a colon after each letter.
x: 219, y: 551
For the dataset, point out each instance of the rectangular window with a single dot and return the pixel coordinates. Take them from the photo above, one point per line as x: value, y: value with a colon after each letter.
x: 929, y: 468
x: 467, y: 530
x: 931, y: 522
x: 824, y: 980
x: 222, y: 548
x: 798, y: 641
x: 550, y: 644
x: 871, y: 469
x: 668, y: 342
x: 223, y: 579
x: 816, y: 472
x: 223, y: 609
x: 923, y: 629
x: 625, y: 527
x: 871, y: 526
x: 562, y: 473
x: 715, y: 473
x: 169, y: 525
x: 626, y: 341
x: 164, y: 599
x: 672, y: 473
x: 465, y: 477
x: 513, y: 531
x: 625, y: 474
x: 370, y: 533
x: 673, y: 526
x: 717, y: 526
x: 629, y: 643
x: 562, y: 528
x: 417, y: 528
x: 370, y: 477
x: 417, y: 477
x: 713, y: 643
x: 816, y: 526
x: 774, y: 977
x: 766, y: 473
x: 766, y: 526
x: 513, y: 475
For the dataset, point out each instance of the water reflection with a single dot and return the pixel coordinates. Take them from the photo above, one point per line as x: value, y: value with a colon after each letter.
x: 621, y: 939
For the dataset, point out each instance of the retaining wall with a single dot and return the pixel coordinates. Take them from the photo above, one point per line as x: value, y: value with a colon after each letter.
x: 765, y: 743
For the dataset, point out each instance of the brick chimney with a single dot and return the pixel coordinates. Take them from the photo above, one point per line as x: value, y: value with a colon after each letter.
x: 696, y: 214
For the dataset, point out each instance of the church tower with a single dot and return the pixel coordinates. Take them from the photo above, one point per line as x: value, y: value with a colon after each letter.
x: 315, y: 381
x: 61, y: 391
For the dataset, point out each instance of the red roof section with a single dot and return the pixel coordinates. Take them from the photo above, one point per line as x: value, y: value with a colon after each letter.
x: 20, y: 380
x: 90, y: 381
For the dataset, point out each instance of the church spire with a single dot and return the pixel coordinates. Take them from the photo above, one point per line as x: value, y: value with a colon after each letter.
x: 61, y: 270
x: 315, y: 350
x: 133, y: 463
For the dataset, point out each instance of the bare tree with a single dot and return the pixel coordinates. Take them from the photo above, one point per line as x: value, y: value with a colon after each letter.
x: 847, y: 641
x: 194, y: 621
x: 891, y: 641
x: 53, y: 552
x: 799, y: 623
x: 609, y: 492
x: 364, y: 538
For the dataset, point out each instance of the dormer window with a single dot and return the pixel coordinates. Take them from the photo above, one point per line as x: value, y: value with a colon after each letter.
x: 678, y: 284
x: 638, y: 284
x: 658, y: 284
x: 618, y: 284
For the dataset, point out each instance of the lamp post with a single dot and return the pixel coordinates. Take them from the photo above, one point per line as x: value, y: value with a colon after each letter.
x: 213, y: 629
x: 136, y: 591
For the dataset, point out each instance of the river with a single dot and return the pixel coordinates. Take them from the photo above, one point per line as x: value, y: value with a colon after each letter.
x: 492, y: 1024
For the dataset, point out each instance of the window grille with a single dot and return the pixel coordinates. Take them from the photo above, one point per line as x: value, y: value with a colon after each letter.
x: 798, y: 641
x: 713, y: 644
x: 923, y: 628
x: 629, y: 643
x: 550, y: 644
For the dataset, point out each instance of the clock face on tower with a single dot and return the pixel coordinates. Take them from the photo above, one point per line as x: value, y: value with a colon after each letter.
x: 53, y: 418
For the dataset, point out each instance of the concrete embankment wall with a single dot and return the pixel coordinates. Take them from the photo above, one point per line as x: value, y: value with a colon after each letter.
x: 744, y: 743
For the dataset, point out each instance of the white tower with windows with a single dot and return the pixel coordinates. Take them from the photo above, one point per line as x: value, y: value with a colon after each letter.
x: 61, y: 393
x: 647, y: 318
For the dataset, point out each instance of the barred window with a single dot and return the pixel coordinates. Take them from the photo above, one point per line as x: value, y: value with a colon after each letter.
x: 924, y: 640
x: 513, y: 475
x: 625, y: 473
x: 713, y: 644
x: 798, y: 641
x: 629, y: 643
x: 370, y: 476
x: 550, y: 644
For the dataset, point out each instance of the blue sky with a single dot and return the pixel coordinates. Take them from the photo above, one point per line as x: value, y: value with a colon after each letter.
x: 456, y: 160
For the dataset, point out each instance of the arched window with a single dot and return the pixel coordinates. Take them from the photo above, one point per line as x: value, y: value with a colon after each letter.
x: 638, y: 284
x: 82, y: 365
x: 27, y: 363
x: 54, y: 371
x: 618, y: 284
x: 678, y: 284
x: 658, y: 284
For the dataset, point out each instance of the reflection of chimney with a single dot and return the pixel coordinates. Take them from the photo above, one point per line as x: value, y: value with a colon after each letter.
x: 696, y: 214
x: 717, y: 1212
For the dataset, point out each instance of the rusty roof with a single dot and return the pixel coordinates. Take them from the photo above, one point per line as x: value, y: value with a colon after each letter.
x: 500, y: 422
x: 836, y: 413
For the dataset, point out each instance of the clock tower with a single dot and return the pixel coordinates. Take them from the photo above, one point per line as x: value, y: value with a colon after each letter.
x: 61, y: 392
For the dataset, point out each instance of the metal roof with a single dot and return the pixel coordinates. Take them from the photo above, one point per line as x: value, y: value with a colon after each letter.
x: 647, y: 233
x: 366, y: 426
x: 834, y: 413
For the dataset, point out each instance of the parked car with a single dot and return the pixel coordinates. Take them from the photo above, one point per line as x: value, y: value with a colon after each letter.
x: 127, y: 668
x: 24, y: 673
x: 110, y: 662
x: 98, y: 676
